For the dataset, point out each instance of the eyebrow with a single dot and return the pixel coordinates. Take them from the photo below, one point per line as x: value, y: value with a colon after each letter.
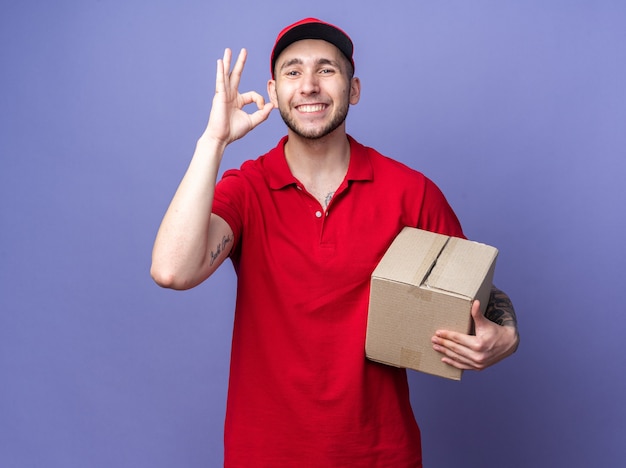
x: 298, y: 61
x: 289, y: 63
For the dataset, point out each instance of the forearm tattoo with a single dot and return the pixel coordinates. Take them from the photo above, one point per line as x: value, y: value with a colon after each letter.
x: 221, y: 247
x: 500, y: 309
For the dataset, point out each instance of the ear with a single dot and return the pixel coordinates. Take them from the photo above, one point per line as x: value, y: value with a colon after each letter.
x: 271, y: 92
x: 355, y: 90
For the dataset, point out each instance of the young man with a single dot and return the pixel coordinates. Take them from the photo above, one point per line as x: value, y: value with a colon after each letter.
x: 305, y: 226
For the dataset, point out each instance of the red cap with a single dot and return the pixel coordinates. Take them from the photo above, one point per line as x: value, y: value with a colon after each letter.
x: 312, y: 28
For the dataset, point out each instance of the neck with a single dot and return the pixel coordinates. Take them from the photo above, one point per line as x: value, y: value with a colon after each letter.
x: 307, y: 157
x: 320, y: 165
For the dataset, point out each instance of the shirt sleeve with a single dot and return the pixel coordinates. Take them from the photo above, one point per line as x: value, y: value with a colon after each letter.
x: 228, y: 201
x: 436, y: 214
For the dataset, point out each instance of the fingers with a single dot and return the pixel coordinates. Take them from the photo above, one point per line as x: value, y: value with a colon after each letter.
x: 264, y: 108
x: 490, y: 344
x: 235, y: 76
x: 451, y: 339
x: 220, y: 85
x: 458, y: 351
x: 261, y: 115
x: 225, y: 78
x: 252, y: 97
x: 228, y: 120
x: 459, y: 362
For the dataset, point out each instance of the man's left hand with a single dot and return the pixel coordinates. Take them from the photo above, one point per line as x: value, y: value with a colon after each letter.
x: 490, y: 344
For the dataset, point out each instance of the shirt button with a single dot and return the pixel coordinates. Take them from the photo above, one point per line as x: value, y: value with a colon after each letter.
x: 318, y: 214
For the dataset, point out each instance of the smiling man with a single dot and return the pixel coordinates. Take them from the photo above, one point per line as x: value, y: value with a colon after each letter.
x: 304, y: 226
x: 304, y: 67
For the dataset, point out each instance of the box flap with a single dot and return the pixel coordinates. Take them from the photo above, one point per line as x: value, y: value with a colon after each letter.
x: 396, y: 265
x: 462, y: 267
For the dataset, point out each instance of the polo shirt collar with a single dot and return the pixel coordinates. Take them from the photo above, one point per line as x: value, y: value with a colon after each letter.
x: 359, y: 168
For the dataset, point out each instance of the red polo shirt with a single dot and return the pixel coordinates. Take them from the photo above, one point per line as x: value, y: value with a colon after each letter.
x: 301, y: 391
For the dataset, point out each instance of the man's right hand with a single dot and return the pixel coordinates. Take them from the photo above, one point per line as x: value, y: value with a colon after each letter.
x: 192, y: 242
x: 228, y: 121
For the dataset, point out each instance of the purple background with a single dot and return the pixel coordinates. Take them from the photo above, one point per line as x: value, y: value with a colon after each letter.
x: 517, y: 110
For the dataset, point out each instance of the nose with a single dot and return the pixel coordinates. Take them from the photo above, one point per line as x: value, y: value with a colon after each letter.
x: 310, y: 83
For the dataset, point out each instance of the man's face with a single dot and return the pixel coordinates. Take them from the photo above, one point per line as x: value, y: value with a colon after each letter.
x: 313, y: 89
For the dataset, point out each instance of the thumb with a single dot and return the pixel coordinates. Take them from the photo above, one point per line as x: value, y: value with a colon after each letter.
x: 261, y: 115
x: 477, y: 315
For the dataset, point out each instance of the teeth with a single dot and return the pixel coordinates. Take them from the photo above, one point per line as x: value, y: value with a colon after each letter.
x: 311, y: 108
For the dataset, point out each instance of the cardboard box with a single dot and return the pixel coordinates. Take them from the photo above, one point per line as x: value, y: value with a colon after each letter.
x: 425, y: 282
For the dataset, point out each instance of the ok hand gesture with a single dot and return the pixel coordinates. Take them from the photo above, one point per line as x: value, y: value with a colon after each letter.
x: 228, y: 121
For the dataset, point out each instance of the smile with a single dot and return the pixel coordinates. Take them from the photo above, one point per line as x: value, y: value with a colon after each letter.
x: 307, y: 108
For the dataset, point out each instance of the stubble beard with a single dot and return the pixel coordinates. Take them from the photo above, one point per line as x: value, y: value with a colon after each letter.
x: 316, y: 133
